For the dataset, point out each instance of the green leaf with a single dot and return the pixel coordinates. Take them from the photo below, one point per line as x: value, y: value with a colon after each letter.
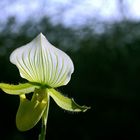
x: 18, y: 89
x: 30, y: 112
x: 65, y: 102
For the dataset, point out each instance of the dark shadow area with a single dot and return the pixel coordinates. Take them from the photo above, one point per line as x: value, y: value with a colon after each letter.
x: 106, y: 77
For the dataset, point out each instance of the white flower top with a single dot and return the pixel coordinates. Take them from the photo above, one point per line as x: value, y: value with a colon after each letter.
x: 41, y: 62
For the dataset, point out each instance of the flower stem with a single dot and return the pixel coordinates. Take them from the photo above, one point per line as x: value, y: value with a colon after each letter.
x: 42, y: 135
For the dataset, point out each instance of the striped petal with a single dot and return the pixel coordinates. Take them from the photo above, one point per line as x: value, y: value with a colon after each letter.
x: 41, y: 62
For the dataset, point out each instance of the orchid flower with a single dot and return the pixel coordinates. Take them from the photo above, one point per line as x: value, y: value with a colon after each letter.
x: 45, y: 67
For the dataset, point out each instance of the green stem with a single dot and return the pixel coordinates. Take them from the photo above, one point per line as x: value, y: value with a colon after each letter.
x: 42, y: 135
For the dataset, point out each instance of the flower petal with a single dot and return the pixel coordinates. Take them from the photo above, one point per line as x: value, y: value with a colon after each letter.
x: 65, y: 102
x: 41, y: 62
x: 30, y: 112
x: 18, y: 89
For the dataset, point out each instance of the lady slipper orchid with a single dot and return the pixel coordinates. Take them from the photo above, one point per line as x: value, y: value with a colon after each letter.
x: 45, y: 67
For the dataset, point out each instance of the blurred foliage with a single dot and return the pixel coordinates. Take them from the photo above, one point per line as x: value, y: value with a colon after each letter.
x: 106, y: 77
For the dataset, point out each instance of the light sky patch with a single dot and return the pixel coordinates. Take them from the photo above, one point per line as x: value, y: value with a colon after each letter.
x: 69, y: 12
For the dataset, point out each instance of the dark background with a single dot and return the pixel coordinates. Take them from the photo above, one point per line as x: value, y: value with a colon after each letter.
x: 106, y: 77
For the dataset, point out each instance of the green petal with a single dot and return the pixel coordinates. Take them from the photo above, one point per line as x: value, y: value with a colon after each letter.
x: 41, y: 62
x: 18, y: 89
x: 65, y: 102
x: 30, y: 112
